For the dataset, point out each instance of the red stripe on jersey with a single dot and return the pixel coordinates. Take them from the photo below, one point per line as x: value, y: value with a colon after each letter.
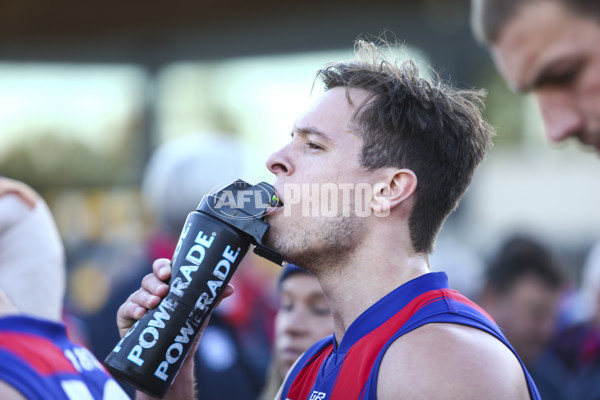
x: 354, y: 374
x: 40, y: 353
x: 456, y: 296
x: 301, y: 388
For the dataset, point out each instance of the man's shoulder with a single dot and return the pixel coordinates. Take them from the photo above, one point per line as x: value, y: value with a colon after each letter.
x: 442, y: 360
x: 8, y: 392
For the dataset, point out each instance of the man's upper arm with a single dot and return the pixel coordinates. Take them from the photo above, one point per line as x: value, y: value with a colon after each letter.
x: 7, y: 392
x: 449, y: 361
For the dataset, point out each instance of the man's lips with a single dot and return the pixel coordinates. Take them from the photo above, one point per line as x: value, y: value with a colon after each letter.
x: 291, y: 353
x: 272, y: 210
x: 276, y: 203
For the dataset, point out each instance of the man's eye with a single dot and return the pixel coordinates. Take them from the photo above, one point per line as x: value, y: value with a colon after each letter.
x: 321, y: 311
x: 563, y: 78
x: 312, y: 145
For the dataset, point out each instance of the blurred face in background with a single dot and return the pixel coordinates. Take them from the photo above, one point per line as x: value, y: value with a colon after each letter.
x: 302, y: 319
x: 555, y: 54
x: 527, y: 314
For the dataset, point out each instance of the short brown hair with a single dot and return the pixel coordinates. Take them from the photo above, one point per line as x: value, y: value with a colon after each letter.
x: 489, y: 17
x: 409, y: 122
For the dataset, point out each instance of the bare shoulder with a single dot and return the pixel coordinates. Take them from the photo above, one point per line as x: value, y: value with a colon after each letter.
x: 7, y: 392
x: 6, y: 306
x: 450, y: 361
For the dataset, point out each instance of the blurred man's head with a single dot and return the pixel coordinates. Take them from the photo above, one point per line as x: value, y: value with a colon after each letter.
x: 180, y: 172
x: 590, y: 286
x: 303, y: 316
x: 549, y: 48
x: 522, y: 290
x: 32, y: 262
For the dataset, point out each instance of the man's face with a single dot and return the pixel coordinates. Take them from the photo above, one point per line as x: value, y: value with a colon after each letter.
x: 527, y: 313
x: 316, y: 175
x: 555, y: 54
x: 302, y: 319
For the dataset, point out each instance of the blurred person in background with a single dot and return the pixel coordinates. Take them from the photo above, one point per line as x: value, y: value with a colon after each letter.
x: 578, y: 345
x: 29, y: 235
x: 549, y: 48
x: 237, y: 343
x: 39, y: 361
x: 302, y: 319
x: 522, y: 291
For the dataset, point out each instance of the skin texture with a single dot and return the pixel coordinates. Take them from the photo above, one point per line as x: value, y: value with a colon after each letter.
x: 29, y: 197
x: 465, y: 362
x: 7, y: 392
x: 313, y: 156
x: 554, y: 54
x: 6, y: 306
x: 25, y: 193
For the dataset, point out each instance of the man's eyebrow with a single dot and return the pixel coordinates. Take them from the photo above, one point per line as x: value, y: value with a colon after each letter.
x: 317, y: 295
x: 529, y: 83
x: 311, y: 131
x: 550, y: 71
x: 535, y: 82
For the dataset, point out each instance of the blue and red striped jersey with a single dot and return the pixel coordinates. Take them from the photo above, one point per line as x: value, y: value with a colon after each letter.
x: 42, y: 363
x: 349, y: 370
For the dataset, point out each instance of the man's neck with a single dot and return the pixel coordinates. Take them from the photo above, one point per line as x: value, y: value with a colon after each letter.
x: 370, y: 273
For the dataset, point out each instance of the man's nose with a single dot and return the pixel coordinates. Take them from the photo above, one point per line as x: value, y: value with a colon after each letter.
x: 296, y: 324
x: 279, y: 162
x: 561, y: 117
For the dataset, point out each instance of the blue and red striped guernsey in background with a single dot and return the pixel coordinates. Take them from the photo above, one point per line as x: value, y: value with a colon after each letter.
x: 349, y: 371
x: 39, y: 361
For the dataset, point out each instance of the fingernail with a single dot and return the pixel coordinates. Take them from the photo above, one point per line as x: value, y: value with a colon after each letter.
x: 139, y: 312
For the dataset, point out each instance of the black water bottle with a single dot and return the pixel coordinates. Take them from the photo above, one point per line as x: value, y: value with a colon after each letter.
x: 213, y: 242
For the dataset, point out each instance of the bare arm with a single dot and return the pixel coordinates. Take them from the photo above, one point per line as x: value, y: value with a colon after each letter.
x: 148, y: 296
x: 26, y: 193
x: 6, y: 306
x: 449, y: 361
x: 7, y: 392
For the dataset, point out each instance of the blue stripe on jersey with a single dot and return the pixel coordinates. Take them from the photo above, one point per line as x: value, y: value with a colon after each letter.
x: 444, y: 309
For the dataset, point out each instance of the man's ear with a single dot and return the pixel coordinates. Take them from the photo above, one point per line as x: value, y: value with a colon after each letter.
x: 398, y: 187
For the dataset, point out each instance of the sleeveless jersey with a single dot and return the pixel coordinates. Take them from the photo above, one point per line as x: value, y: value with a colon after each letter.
x: 40, y: 361
x: 349, y: 370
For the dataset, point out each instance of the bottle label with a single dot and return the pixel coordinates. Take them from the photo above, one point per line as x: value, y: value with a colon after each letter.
x: 151, y: 353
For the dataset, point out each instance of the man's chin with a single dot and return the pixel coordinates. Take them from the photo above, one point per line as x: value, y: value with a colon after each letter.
x: 271, y: 242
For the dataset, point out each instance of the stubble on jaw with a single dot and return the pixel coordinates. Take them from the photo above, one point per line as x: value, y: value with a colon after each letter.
x: 325, y: 247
